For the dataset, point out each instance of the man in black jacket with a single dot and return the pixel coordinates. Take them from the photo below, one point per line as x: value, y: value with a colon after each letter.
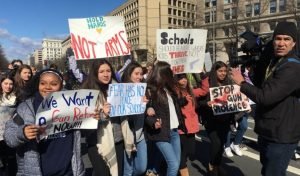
x: 277, y: 120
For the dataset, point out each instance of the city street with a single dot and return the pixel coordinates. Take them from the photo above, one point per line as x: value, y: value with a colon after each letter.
x: 247, y: 165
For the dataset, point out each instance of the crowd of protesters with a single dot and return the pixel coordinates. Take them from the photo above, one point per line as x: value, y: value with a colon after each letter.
x: 162, y: 136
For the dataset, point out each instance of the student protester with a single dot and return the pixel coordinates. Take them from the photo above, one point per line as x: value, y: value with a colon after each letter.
x: 162, y: 128
x: 136, y: 163
x: 22, y: 77
x: 217, y: 126
x: 277, y: 102
x: 187, y: 102
x: 7, y: 108
x: 149, y: 67
x: 57, y: 155
x: 106, y: 144
x: 14, y: 65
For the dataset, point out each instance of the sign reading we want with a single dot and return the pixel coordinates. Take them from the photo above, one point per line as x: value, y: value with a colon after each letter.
x: 126, y: 98
x: 65, y: 110
x: 183, y: 49
x: 98, y: 37
x: 228, y: 99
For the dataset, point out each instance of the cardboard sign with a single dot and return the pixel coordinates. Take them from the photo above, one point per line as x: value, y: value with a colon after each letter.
x: 183, y: 49
x: 98, y: 37
x: 126, y: 99
x: 66, y: 110
x: 228, y: 99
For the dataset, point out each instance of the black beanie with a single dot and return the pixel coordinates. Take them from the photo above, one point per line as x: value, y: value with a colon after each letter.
x: 286, y: 28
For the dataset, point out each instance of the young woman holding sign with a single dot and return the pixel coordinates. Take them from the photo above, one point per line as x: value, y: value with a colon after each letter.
x: 187, y: 102
x: 7, y: 107
x: 218, y: 126
x: 136, y: 163
x: 106, y: 144
x: 162, y: 128
x: 59, y: 155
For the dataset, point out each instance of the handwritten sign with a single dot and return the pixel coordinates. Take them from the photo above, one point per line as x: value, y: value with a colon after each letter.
x: 66, y: 110
x: 6, y: 114
x: 183, y: 49
x: 228, y: 99
x: 126, y: 99
x: 98, y: 37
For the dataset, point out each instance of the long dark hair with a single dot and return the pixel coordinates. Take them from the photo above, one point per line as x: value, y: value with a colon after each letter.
x: 33, y: 86
x: 188, y: 87
x: 92, y: 81
x: 213, y: 80
x: 18, y: 80
x: 128, y: 71
x: 10, y: 77
x: 161, y: 78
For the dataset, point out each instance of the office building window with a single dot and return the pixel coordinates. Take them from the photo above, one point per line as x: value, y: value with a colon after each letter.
x: 256, y: 9
x: 174, y: 2
x: 174, y: 21
x: 226, y: 14
x: 184, y: 13
x: 234, y: 12
x: 273, y: 6
x: 214, y: 3
x: 207, y: 3
x: 169, y: 2
x: 179, y: 3
x: 184, y: 5
x: 226, y: 1
x: 179, y: 12
x: 298, y: 4
x: 282, y: 5
x: 174, y: 12
x: 207, y: 17
x: 179, y: 22
x: 256, y: 28
x: 226, y: 31
x: 170, y: 20
x: 248, y: 10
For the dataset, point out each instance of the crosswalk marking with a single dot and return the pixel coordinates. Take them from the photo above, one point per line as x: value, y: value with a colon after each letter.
x: 291, y: 169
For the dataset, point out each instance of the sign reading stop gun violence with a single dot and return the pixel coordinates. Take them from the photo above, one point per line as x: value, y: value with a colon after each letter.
x: 98, y: 37
x: 228, y: 99
x: 183, y: 49
x: 126, y: 99
x: 65, y: 110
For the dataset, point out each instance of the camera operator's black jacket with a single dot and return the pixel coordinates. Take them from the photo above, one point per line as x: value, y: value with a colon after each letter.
x: 278, y: 102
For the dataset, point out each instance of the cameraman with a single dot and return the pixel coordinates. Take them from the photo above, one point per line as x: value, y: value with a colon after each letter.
x: 13, y: 66
x: 278, y: 103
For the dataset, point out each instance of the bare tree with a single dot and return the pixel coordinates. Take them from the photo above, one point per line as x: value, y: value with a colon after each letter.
x: 3, y: 61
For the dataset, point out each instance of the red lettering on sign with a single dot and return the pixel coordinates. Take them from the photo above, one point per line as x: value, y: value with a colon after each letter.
x: 82, y: 46
x: 115, y: 45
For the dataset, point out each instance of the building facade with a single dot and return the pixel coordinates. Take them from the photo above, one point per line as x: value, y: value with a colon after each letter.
x: 38, y: 57
x: 227, y: 19
x: 143, y: 17
x: 51, y: 50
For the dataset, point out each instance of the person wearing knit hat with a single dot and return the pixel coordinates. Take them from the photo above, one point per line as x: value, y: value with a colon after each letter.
x: 277, y: 102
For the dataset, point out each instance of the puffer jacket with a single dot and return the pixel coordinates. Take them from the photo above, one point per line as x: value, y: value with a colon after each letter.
x: 28, y: 157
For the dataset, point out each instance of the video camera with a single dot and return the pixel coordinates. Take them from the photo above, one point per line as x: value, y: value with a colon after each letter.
x: 252, y: 47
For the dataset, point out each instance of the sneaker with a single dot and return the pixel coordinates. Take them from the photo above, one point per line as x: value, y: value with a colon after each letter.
x: 296, y: 156
x: 151, y: 173
x: 228, y: 152
x: 236, y: 149
x: 243, y: 147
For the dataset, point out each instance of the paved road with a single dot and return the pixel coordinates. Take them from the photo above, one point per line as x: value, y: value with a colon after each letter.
x: 247, y: 165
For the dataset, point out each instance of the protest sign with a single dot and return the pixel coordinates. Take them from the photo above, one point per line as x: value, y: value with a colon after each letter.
x: 65, y: 110
x: 98, y: 37
x: 228, y: 99
x: 183, y: 49
x: 6, y: 114
x: 126, y: 99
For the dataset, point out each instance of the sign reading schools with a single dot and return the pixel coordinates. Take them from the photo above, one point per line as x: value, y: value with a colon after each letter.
x: 126, y: 99
x: 98, y: 37
x: 66, y: 110
x: 228, y: 99
x: 184, y: 49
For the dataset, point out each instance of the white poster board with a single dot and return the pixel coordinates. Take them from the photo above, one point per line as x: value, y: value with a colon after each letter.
x: 126, y: 98
x: 183, y: 49
x: 98, y: 37
x: 66, y: 110
x: 228, y: 99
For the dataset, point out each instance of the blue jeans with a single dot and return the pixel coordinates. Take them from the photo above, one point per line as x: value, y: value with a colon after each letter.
x: 171, y: 152
x: 137, y: 163
x: 275, y: 157
x: 242, y: 127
